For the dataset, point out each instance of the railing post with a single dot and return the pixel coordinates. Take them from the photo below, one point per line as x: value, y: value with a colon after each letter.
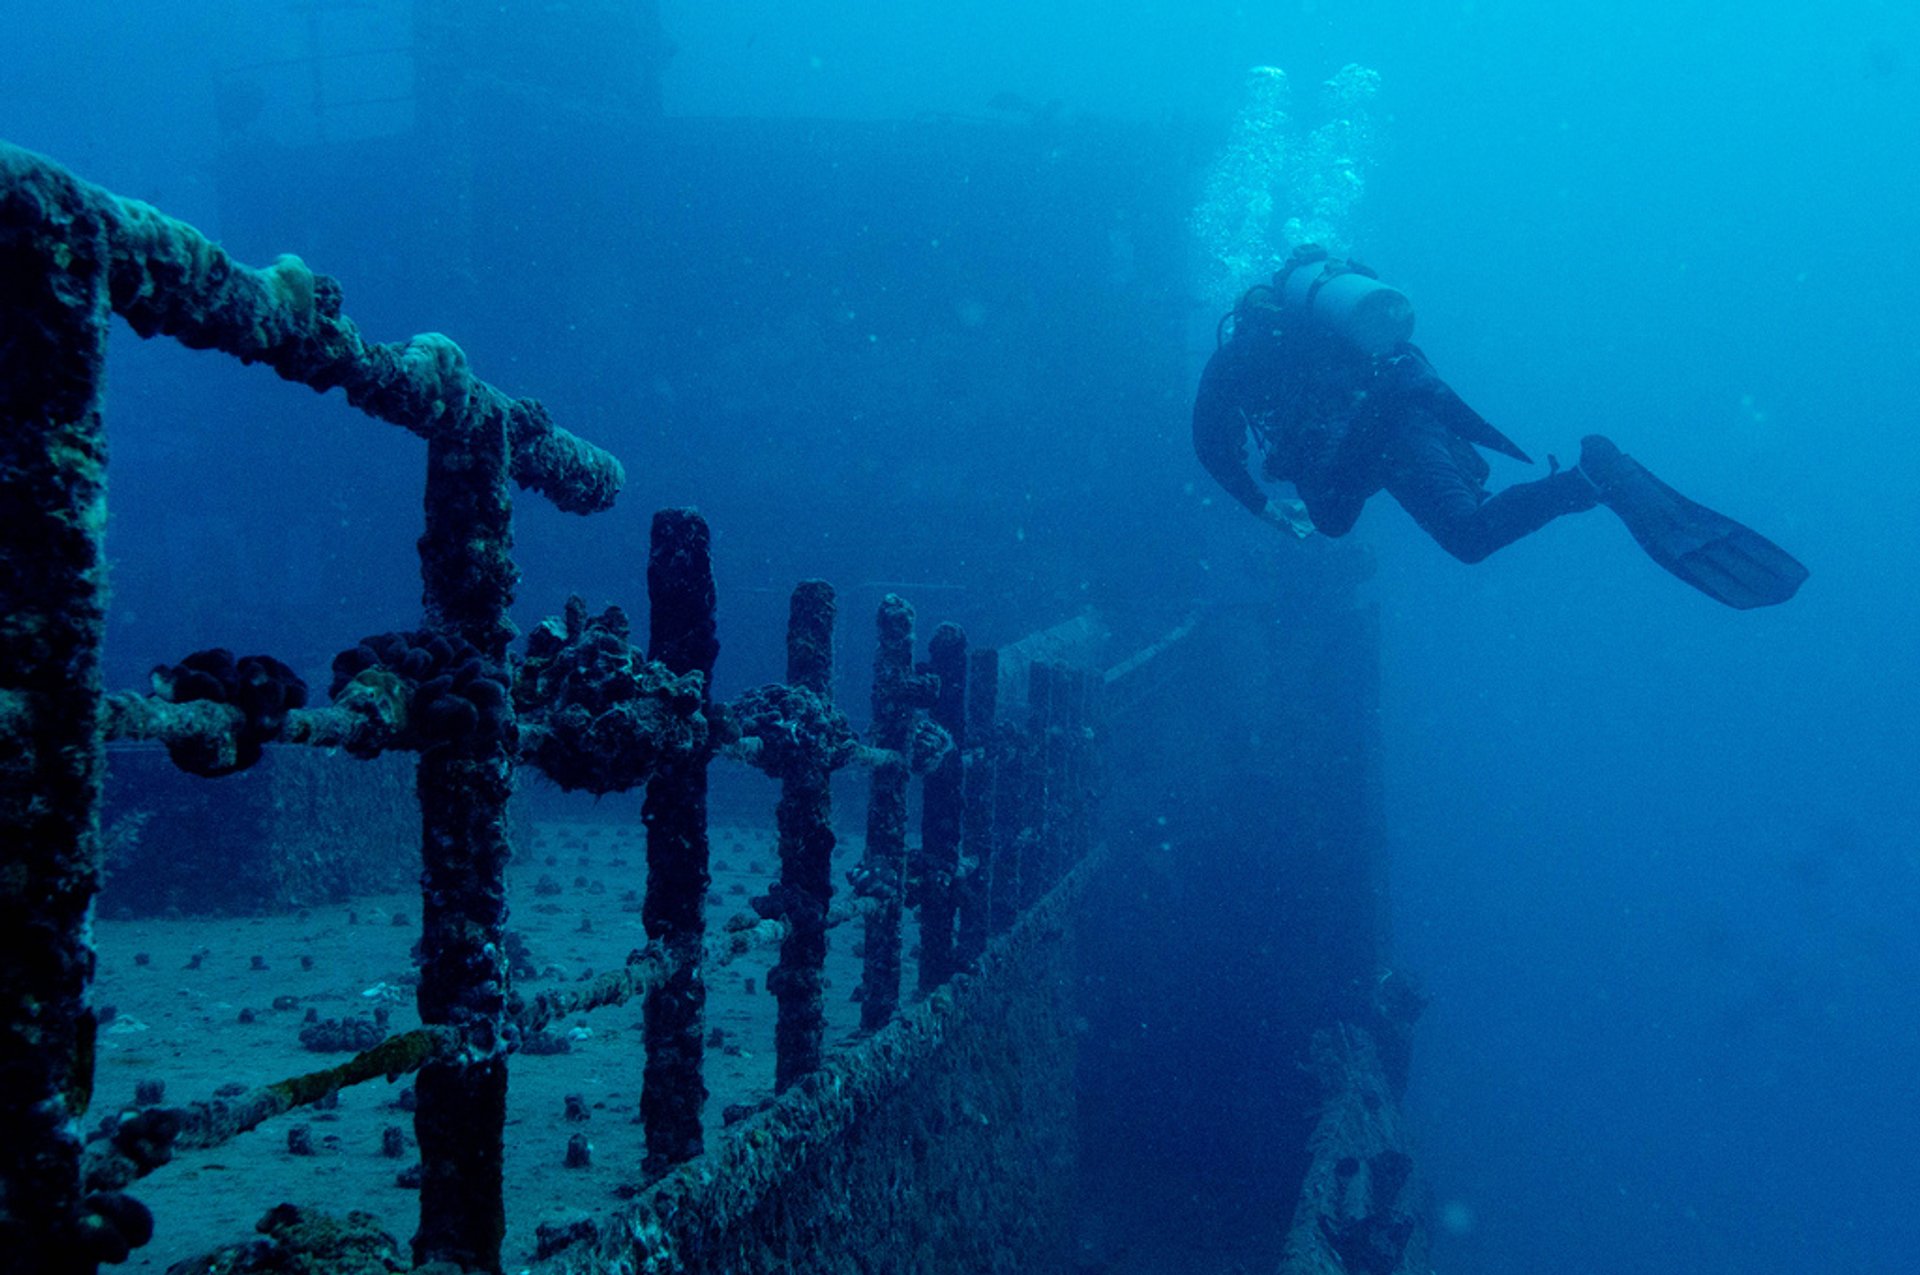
x: 976, y: 822
x: 1011, y: 759
x: 53, y: 337
x: 883, y: 869
x: 940, y: 808
x: 463, y: 789
x: 805, y: 819
x: 1036, y: 867
x: 1059, y: 830
x: 1064, y: 790
x: 1086, y: 751
x: 682, y: 637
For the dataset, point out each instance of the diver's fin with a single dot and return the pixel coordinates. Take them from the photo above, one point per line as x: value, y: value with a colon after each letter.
x: 1716, y: 555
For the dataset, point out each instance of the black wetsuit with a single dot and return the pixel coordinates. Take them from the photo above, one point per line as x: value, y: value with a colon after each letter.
x: 1341, y: 425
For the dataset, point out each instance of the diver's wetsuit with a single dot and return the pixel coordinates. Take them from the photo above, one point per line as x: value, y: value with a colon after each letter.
x: 1341, y: 425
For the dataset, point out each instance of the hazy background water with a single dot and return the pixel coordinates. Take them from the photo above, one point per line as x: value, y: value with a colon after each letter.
x: 1655, y: 860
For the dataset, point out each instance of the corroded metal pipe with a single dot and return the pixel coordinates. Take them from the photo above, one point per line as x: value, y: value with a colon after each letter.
x: 215, y: 729
x: 1062, y: 809
x: 1069, y: 804
x: 53, y: 334
x: 169, y: 279
x: 976, y: 821
x: 1011, y: 759
x: 1087, y: 774
x: 681, y: 636
x: 463, y: 785
x: 1036, y: 852
x: 883, y: 869
x: 1058, y: 829
x: 941, y: 797
x: 71, y: 253
x: 805, y: 820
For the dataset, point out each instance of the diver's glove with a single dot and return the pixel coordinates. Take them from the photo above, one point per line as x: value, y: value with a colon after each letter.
x: 1289, y: 516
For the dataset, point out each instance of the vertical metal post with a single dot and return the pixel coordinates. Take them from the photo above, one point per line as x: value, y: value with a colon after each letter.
x: 1057, y: 837
x: 976, y: 821
x: 1036, y: 860
x: 884, y: 866
x: 53, y: 335
x: 682, y: 637
x: 1011, y: 757
x: 1089, y: 773
x: 805, y: 819
x: 1070, y: 726
x: 940, y: 808
x: 463, y: 785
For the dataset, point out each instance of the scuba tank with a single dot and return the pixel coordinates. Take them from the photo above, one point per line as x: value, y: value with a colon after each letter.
x: 1344, y: 298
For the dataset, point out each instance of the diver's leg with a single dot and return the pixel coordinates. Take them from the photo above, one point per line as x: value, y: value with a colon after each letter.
x: 1428, y: 476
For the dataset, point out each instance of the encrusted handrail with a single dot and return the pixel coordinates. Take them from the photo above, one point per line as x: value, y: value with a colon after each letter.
x: 585, y: 706
x: 166, y: 278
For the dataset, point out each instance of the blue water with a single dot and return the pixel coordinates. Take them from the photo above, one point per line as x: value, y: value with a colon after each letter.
x: 1655, y: 860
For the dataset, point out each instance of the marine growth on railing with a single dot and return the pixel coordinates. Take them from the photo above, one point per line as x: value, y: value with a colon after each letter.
x: 1006, y: 810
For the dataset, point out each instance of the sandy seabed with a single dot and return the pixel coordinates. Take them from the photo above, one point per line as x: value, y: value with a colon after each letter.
x: 183, y: 1026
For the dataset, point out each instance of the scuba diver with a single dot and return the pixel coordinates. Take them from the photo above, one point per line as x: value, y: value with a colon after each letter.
x: 1318, y: 368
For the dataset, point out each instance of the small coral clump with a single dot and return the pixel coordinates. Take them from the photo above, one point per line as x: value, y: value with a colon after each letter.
x: 601, y: 717
x: 452, y: 699
x: 261, y: 687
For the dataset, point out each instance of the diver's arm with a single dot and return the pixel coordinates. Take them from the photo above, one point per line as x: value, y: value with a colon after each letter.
x: 1220, y: 439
